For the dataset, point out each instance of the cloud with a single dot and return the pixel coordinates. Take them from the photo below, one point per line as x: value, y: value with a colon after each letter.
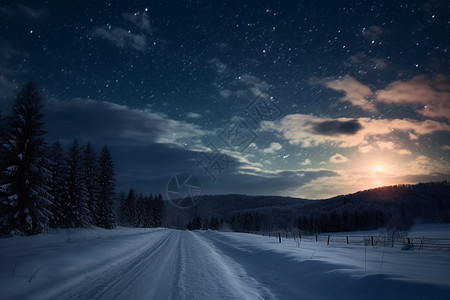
x: 301, y: 129
x: 423, y: 165
x: 257, y: 86
x: 373, y: 32
x: 148, y: 147
x: 31, y: 13
x: 263, y: 183
x: 7, y: 92
x: 432, y: 95
x: 225, y: 93
x: 365, y: 64
x: 273, y: 148
x: 383, y: 146
x: 21, y: 10
x: 338, y: 159
x: 114, y: 123
x: 306, y: 162
x: 355, y: 92
x: 194, y: 115
x: 122, y: 38
x: 250, y: 178
x: 10, y: 67
x: 403, y: 152
x: 142, y: 21
x: 218, y: 65
x: 337, y: 127
x: 412, y: 136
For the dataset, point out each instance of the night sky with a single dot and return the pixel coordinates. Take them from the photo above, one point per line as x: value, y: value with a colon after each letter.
x: 301, y: 98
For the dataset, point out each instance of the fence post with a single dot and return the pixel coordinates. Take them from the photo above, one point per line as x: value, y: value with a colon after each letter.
x: 279, y: 237
x: 371, y: 239
x: 347, y: 239
x: 409, y: 241
x: 328, y: 242
x: 316, y: 237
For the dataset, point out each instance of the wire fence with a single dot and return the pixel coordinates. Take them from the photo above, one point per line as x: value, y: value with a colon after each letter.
x: 396, y: 240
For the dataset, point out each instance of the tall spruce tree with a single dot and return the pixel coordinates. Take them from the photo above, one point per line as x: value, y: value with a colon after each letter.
x: 90, y: 170
x: 58, y: 184
x: 25, y: 188
x: 106, y: 195
x: 76, y: 209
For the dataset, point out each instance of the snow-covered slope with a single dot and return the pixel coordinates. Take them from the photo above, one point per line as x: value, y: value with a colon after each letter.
x: 171, y: 264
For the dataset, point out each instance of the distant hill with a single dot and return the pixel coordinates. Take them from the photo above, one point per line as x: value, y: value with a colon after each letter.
x: 396, y: 207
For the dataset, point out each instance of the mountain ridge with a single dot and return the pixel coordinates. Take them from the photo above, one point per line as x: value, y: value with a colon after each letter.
x: 395, y: 206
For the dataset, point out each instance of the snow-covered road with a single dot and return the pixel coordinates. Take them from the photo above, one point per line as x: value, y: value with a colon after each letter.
x: 172, y: 264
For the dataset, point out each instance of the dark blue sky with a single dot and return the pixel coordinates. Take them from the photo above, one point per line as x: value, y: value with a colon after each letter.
x: 302, y: 98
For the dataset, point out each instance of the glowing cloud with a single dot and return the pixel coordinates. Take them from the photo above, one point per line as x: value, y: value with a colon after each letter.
x: 273, y: 148
x: 433, y: 96
x: 355, y: 92
x: 338, y: 158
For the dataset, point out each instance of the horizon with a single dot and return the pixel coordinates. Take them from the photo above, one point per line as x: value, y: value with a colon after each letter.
x: 291, y: 100
x: 300, y: 198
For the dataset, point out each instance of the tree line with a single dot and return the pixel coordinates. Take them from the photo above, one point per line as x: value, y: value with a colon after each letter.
x: 245, y: 222
x: 346, y: 221
x: 141, y: 211
x: 43, y: 186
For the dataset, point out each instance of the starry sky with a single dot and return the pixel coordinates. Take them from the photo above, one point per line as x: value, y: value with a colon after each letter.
x: 295, y: 98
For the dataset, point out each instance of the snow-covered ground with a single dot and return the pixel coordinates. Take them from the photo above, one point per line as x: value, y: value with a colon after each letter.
x: 170, y: 264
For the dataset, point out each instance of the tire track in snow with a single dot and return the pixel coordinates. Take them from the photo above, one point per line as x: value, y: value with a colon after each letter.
x: 131, y: 278
x: 208, y: 274
x: 179, y: 265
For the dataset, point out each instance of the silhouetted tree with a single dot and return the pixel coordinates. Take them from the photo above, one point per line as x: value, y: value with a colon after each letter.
x: 127, y: 209
x: 107, y: 188
x: 25, y: 193
x: 76, y: 209
x: 58, y: 184
x: 91, y: 183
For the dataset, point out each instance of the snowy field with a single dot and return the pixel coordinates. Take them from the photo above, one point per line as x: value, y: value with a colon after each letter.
x: 171, y: 264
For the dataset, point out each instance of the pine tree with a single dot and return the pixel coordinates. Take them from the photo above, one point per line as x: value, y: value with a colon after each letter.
x: 5, y: 208
x: 159, y: 211
x: 90, y: 170
x: 25, y: 191
x: 148, y: 211
x: 76, y: 209
x: 120, y: 199
x: 4, y: 126
x: 106, y: 194
x: 58, y: 184
x: 140, y: 212
x: 127, y: 209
